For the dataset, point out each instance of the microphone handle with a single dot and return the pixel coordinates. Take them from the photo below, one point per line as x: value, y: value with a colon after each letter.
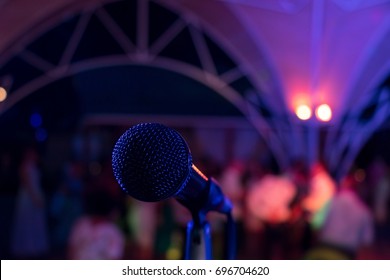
x: 202, y: 194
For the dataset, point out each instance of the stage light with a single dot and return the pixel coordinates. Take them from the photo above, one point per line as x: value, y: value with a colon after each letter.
x: 303, y: 112
x: 3, y: 94
x: 324, y: 113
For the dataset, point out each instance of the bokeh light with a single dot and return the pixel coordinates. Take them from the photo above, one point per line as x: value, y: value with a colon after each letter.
x: 324, y: 113
x: 41, y: 134
x: 3, y: 94
x: 36, y: 120
x: 303, y: 112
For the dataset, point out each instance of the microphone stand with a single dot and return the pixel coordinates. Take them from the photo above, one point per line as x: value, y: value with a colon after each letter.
x: 198, y: 234
x: 231, y: 237
x: 198, y: 239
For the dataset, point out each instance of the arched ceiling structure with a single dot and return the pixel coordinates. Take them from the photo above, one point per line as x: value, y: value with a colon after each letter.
x: 292, y: 52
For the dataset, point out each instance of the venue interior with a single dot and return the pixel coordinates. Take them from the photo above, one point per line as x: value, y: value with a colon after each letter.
x: 284, y: 103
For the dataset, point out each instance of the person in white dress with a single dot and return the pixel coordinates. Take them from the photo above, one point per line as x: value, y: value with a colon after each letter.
x: 30, y: 235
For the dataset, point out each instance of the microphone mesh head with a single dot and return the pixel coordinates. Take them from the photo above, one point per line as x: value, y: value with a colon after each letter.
x: 151, y: 162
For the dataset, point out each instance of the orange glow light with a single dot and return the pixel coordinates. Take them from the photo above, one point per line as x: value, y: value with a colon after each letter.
x: 324, y: 113
x: 3, y: 94
x: 303, y: 112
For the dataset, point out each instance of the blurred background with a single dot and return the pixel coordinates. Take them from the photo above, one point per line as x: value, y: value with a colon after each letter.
x: 286, y: 103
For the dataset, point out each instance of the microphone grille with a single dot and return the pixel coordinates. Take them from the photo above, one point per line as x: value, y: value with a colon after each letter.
x: 151, y: 162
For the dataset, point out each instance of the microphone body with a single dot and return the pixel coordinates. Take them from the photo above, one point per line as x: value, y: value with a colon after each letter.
x: 152, y: 162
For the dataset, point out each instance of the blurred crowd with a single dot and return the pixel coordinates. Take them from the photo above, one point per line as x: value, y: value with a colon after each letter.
x: 297, y: 213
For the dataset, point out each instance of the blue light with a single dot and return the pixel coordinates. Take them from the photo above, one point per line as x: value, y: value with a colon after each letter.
x: 36, y: 120
x: 41, y: 134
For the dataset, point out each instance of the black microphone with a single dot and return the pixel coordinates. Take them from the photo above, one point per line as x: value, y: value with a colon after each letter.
x: 152, y: 162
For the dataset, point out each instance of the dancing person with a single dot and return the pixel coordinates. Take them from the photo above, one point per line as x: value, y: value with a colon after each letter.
x: 348, y: 228
x: 95, y: 236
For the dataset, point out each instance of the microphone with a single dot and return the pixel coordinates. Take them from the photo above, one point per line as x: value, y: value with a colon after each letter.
x: 152, y: 162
